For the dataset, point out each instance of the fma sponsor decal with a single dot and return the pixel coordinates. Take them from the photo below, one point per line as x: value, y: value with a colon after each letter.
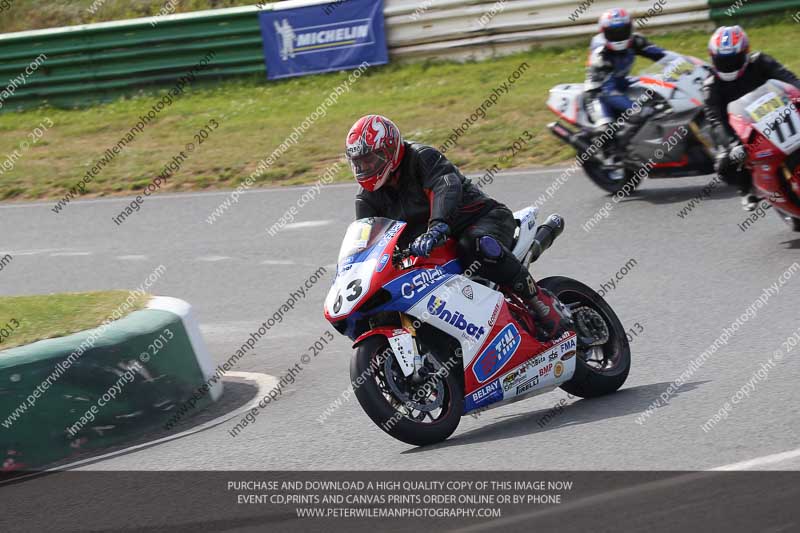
x: 438, y: 308
x: 497, y: 353
x: 484, y: 396
x: 568, y: 345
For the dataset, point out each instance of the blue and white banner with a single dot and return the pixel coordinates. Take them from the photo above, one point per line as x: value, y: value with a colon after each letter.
x: 339, y: 35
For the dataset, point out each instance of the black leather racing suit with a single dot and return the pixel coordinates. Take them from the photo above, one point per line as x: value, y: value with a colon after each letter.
x: 428, y: 188
x: 718, y: 94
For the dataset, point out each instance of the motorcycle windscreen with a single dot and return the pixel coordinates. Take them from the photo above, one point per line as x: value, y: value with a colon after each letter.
x: 684, y: 73
x: 363, y: 234
x: 361, y: 253
x: 771, y: 112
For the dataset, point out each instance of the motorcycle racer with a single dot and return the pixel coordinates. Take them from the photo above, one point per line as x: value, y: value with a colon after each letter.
x: 612, y: 53
x: 736, y: 73
x: 415, y: 183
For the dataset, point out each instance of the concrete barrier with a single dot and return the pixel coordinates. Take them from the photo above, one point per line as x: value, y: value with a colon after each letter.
x: 90, y: 390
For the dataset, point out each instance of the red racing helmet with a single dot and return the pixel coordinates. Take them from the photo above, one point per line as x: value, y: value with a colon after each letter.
x: 729, y: 49
x: 617, y: 27
x: 374, y: 149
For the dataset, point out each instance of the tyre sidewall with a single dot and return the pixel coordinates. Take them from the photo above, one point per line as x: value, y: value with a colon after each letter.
x: 601, y: 179
x: 384, y: 415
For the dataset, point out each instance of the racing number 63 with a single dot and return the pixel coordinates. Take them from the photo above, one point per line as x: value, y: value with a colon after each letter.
x: 354, y: 286
x: 355, y: 291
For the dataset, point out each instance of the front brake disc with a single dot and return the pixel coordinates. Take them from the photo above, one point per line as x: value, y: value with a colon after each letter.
x: 591, y: 325
x: 420, y: 392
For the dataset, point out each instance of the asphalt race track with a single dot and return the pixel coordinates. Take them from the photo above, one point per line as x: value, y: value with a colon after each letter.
x: 692, y: 277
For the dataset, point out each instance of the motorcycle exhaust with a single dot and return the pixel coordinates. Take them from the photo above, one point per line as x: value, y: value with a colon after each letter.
x: 568, y: 136
x: 546, y: 234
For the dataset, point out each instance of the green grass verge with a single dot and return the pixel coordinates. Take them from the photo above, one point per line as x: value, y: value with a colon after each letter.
x: 29, y: 319
x: 36, y: 14
x: 425, y: 99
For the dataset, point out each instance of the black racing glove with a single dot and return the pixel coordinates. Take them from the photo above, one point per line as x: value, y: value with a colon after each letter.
x: 729, y: 158
x: 738, y: 154
x: 722, y: 163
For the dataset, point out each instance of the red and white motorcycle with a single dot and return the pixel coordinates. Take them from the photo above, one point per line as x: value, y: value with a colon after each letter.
x: 768, y: 123
x: 435, y: 343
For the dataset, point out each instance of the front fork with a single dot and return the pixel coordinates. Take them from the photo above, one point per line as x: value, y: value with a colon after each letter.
x: 408, y: 324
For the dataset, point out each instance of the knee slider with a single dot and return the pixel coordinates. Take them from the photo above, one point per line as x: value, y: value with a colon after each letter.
x: 489, y: 249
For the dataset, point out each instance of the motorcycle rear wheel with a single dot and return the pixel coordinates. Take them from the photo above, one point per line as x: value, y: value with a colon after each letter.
x: 594, y: 377
x: 399, y: 407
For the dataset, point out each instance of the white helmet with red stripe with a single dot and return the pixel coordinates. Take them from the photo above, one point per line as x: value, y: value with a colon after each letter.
x: 729, y: 49
x: 617, y: 27
x: 374, y: 149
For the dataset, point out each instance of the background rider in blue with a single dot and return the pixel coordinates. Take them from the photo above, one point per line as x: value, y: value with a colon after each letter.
x: 612, y: 53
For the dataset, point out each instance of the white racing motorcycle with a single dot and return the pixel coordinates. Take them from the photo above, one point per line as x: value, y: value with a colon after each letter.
x: 676, y: 137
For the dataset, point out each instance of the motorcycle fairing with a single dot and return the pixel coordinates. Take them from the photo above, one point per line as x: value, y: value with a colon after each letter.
x: 355, y: 280
x: 767, y: 122
x: 566, y: 101
x: 655, y: 133
x: 490, y: 337
x: 536, y: 375
x: 527, y: 223
x: 461, y: 308
x: 360, y: 275
x: 417, y: 283
x: 678, y: 80
x: 769, y: 110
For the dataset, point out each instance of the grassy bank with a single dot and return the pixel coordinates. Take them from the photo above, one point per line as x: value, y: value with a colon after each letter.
x: 427, y: 100
x: 27, y: 319
x: 36, y: 14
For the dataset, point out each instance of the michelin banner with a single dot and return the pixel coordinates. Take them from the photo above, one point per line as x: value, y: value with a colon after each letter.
x: 322, y: 38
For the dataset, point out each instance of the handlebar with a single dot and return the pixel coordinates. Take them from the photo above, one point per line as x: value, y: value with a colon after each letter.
x: 400, y: 255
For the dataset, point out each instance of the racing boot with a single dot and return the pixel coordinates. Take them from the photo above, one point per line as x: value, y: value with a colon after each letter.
x: 551, y: 316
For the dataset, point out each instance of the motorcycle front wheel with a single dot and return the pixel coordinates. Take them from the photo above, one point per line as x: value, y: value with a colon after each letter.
x: 611, y: 181
x: 418, y: 411
x: 784, y: 181
x: 789, y: 220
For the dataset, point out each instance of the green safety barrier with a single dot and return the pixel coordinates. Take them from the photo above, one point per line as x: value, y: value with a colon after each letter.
x: 99, y: 62
x: 106, y: 395
x: 720, y: 9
